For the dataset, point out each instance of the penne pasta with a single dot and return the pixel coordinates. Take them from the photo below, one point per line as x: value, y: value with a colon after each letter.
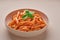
x: 32, y: 23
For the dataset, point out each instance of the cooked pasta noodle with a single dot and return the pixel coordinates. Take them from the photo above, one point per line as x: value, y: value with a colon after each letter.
x: 28, y: 24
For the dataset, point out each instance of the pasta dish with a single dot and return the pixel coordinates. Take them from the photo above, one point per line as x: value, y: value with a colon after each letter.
x: 26, y: 21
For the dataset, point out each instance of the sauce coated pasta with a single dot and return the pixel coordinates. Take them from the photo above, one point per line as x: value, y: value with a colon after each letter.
x: 27, y: 21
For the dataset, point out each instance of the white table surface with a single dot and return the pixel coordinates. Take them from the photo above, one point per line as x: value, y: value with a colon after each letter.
x: 50, y: 7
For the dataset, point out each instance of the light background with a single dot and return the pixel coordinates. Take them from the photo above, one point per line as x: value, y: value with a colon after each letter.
x: 50, y: 7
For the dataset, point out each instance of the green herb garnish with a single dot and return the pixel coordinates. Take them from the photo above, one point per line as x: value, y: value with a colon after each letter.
x: 28, y: 14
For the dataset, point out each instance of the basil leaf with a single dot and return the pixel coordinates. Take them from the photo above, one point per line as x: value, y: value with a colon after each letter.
x: 24, y: 17
x: 31, y: 12
x: 30, y: 15
x: 27, y: 11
